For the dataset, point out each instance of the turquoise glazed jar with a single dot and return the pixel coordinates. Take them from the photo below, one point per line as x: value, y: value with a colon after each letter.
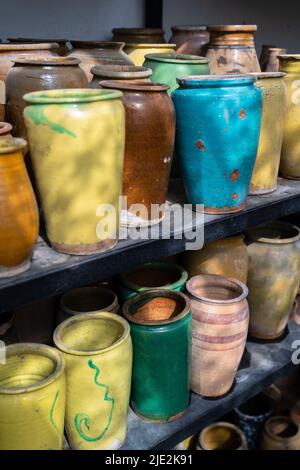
x: 218, y: 128
x: 166, y: 68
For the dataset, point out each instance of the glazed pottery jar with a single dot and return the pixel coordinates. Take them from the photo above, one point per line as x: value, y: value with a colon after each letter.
x: 5, y: 129
x: 166, y: 68
x: 264, y: 55
x: 227, y: 257
x: 137, y: 35
x: 273, y: 277
x: 220, y: 327
x: 29, y: 75
x: 150, y: 135
x: 118, y: 72
x: 272, y: 64
x: 62, y: 43
x: 77, y: 142
x: 160, y: 323
x: 137, y: 52
x: 98, y: 353
x: 264, y: 177
x: 190, y: 39
x: 280, y: 433
x: 221, y: 436
x: 161, y: 275
x: 32, y: 398
x: 93, y: 53
x: 216, y: 162
x: 231, y: 49
x: 18, y: 209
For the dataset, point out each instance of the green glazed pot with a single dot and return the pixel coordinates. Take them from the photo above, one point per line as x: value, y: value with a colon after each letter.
x: 161, y: 327
x: 166, y: 68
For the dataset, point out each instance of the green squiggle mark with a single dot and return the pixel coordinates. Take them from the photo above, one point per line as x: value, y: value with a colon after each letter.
x: 82, y: 418
x: 37, y: 114
x: 52, y: 412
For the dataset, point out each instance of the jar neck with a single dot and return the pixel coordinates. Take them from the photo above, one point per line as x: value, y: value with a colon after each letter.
x: 231, y: 38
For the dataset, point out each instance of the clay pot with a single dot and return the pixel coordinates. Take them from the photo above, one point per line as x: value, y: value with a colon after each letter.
x: 280, y: 433
x: 273, y: 277
x: 93, y: 53
x: 18, y: 210
x: 295, y: 413
x: 137, y: 35
x: 150, y: 135
x: 272, y: 64
x: 221, y: 436
x: 62, y: 43
x: 119, y: 72
x: 36, y: 74
x: 5, y: 129
x: 263, y: 58
x: 79, y: 148
x: 227, y: 257
x: 137, y: 52
x: 220, y: 327
x: 231, y: 49
x: 190, y: 39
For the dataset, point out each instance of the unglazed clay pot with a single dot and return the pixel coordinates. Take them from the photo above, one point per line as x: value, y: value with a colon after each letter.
x: 150, y: 135
x: 98, y: 353
x: 231, y: 49
x: 264, y: 177
x: 137, y: 52
x: 216, y: 163
x: 32, y: 398
x: 77, y: 142
x: 190, y: 39
x: 5, y: 129
x: 272, y: 64
x: 221, y: 436
x: 29, y: 75
x: 160, y: 323
x: 227, y: 257
x: 119, y: 72
x: 263, y: 58
x: 220, y: 327
x: 137, y: 35
x: 280, y: 433
x: 18, y: 209
x: 273, y: 277
x: 62, y: 43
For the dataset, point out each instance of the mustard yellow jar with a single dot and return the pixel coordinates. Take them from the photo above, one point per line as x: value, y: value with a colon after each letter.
x: 32, y: 398
x: 137, y: 52
x: 76, y: 140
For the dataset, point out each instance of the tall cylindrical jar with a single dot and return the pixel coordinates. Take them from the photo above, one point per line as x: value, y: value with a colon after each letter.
x: 98, y: 353
x: 220, y: 326
x: 216, y: 162
x: 190, y: 39
x: 119, y: 72
x: 263, y: 58
x: 137, y: 52
x: 160, y: 324
x: 273, y: 277
x: 280, y: 433
x: 76, y: 142
x: 272, y: 64
x: 32, y: 398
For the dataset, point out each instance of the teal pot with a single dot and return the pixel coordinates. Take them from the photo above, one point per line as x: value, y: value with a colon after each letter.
x: 218, y: 129
x: 161, y: 327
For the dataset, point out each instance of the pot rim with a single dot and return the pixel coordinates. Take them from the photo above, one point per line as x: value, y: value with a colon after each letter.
x: 254, y: 234
x: 78, y: 44
x: 38, y: 349
x: 115, y: 70
x: 38, y: 40
x: 90, y: 316
x: 268, y: 74
x: 150, y: 45
x: 5, y: 127
x: 189, y: 28
x: 274, y: 48
x: 282, y: 418
x: 207, y: 300
x: 71, y: 95
x: 183, y: 275
x: 48, y: 61
x: 225, y: 424
x: 243, y: 28
x: 136, y: 86
x: 154, y: 293
x: 100, y: 289
x: 133, y: 31
x: 289, y: 56
x: 177, y: 58
x: 29, y: 46
x: 202, y: 81
x: 12, y: 144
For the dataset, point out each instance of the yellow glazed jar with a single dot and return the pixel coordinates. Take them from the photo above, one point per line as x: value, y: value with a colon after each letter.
x: 264, y: 177
x: 98, y: 354
x: 137, y: 52
x: 77, y: 140
x: 32, y: 398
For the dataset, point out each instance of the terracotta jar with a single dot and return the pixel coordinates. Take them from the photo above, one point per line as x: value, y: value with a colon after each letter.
x: 136, y: 35
x: 190, y: 39
x: 280, y: 433
x: 29, y: 75
x: 231, y: 49
x: 228, y: 257
x: 272, y: 64
x: 273, y: 277
x: 5, y: 129
x: 119, y: 72
x: 220, y: 327
x: 263, y: 58
x: 221, y: 436
x: 18, y: 210
x: 62, y: 43
x: 150, y: 135
x: 137, y: 52
x: 93, y: 53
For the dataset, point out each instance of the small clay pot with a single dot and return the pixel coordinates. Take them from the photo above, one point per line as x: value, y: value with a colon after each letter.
x: 272, y: 64
x: 5, y: 129
x: 221, y: 436
x: 128, y: 73
x: 136, y: 35
x: 263, y: 58
x: 190, y: 39
x: 280, y: 433
x: 62, y: 43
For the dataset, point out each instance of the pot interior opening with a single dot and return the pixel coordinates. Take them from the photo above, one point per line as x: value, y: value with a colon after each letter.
x: 88, y: 300
x: 215, y: 288
x: 274, y: 231
x: 256, y: 406
x: 152, y: 276
x: 154, y: 307
x: 221, y: 437
x: 284, y: 428
x: 25, y: 369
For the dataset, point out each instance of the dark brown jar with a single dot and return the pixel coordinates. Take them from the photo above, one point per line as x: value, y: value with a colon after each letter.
x: 139, y: 35
x: 62, y: 43
x: 150, y: 134
x: 190, y: 39
x: 119, y: 72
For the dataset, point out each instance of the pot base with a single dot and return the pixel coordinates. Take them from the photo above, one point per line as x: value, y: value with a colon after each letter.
x: 85, y: 249
x: 149, y: 420
x: 15, y: 270
x: 226, y: 210
x: 263, y: 338
x: 259, y: 192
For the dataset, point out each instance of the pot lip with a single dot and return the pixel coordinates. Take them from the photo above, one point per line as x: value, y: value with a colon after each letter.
x: 225, y: 424
x: 254, y: 234
x: 12, y: 144
x: 67, y: 95
x: 202, y: 81
x: 144, y: 45
x: 136, y: 86
x: 115, y: 70
x: 289, y: 56
x: 39, y: 349
x: 200, y: 27
x: 90, y: 316
x: 29, y: 46
x: 36, y: 40
x: 282, y: 418
x: 156, y: 293
x: 207, y: 300
x: 134, y: 31
x: 78, y: 44
x: 268, y: 74
x: 177, y: 58
x: 86, y: 290
x: 243, y: 28
x: 47, y: 61
x: 5, y: 127
x: 274, y: 48
x: 159, y: 265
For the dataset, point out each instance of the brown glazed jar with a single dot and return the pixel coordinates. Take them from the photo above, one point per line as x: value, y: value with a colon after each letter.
x: 232, y: 50
x: 29, y: 75
x: 62, y: 43
x: 119, y: 72
x: 149, y: 146
x: 139, y: 35
x: 190, y: 39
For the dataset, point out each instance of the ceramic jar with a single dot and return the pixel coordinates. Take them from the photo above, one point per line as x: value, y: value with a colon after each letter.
x: 137, y: 52
x: 273, y: 277
x: 166, y: 68
x: 119, y: 72
x: 137, y: 35
x: 98, y: 353
x: 227, y: 257
x: 221, y: 436
x: 160, y: 322
x: 231, y: 49
x: 272, y: 64
x: 150, y: 135
x: 216, y: 162
x: 32, y: 398
x: 280, y: 433
x: 62, y: 43
x: 18, y: 209
x: 264, y: 177
x: 190, y: 39
x: 29, y: 75
x: 220, y: 326
x: 77, y: 142
x: 5, y: 129
x: 263, y: 58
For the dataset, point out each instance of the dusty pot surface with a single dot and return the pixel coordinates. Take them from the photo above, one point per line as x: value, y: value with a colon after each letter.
x: 272, y: 64
x: 62, y: 49
x: 190, y: 39
x: 119, y: 72
x: 280, y: 433
x: 137, y: 35
x: 137, y: 52
x: 221, y: 436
